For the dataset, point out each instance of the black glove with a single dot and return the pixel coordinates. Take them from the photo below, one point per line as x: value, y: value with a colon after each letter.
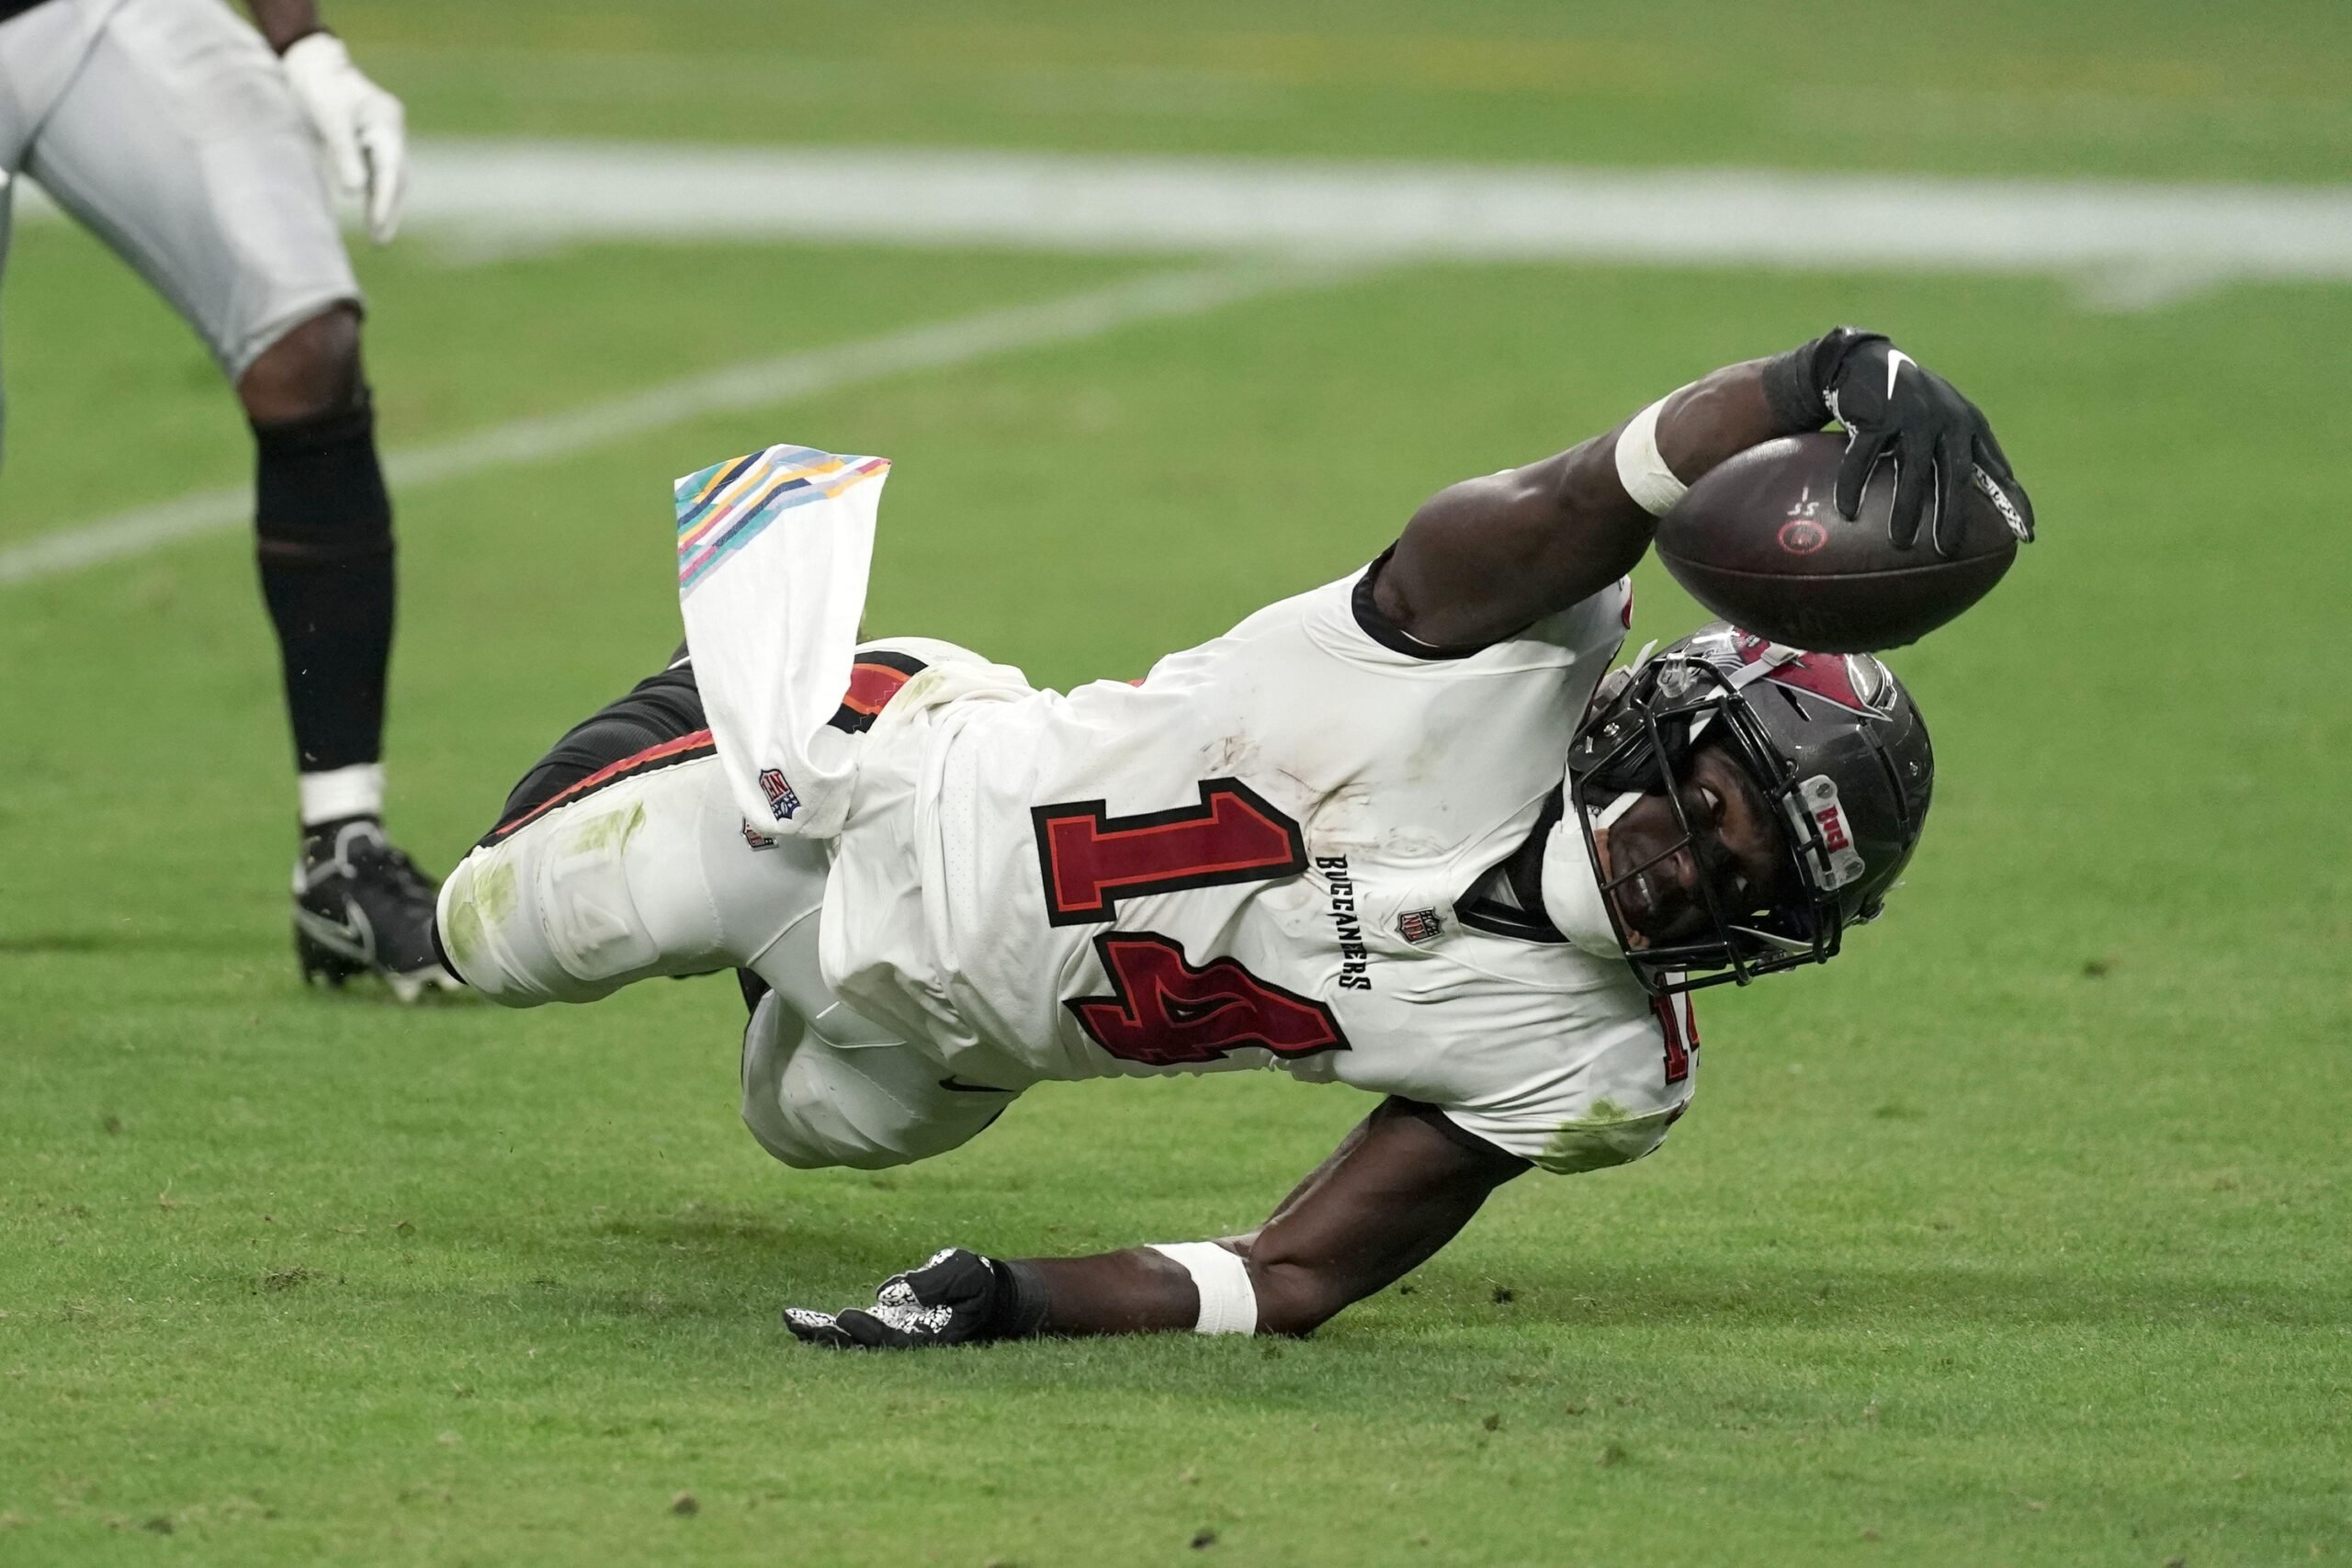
x: 1893, y: 406
x: 956, y: 1298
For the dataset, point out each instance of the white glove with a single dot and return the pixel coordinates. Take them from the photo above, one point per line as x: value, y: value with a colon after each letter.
x: 362, y: 127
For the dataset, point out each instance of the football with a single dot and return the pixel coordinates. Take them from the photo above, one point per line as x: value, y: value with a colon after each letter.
x: 1759, y: 541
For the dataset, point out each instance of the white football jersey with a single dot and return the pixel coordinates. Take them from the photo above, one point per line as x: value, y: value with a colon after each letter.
x: 1262, y: 855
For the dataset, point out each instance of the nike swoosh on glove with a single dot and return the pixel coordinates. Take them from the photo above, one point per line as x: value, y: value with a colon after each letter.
x: 1896, y: 409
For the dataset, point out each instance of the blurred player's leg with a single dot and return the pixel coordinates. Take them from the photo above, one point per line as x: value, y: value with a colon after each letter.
x: 179, y: 143
x: 40, y: 48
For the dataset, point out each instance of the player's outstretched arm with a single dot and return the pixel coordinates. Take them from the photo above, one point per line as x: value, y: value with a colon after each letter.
x: 1399, y: 1186
x: 1483, y: 559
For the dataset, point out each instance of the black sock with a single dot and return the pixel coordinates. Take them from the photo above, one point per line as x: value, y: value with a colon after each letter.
x: 325, y: 528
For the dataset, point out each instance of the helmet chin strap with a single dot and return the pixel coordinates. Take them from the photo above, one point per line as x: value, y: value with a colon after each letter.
x: 1573, y: 900
x: 1606, y: 818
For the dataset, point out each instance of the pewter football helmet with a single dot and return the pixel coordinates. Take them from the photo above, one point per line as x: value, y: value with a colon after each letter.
x: 1834, y: 746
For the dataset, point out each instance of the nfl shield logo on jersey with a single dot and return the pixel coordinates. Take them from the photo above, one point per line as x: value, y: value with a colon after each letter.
x: 781, y: 800
x: 1417, y: 926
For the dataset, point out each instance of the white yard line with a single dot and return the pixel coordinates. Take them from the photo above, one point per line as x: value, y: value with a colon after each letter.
x: 756, y: 384
x: 520, y: 190
x: 522, y: 193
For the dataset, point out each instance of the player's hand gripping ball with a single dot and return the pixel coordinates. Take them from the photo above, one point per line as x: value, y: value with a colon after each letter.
x: 1855, y: 543
x: 956, y: 1298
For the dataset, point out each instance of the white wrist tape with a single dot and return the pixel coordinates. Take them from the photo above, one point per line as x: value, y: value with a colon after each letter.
x: 1640, y: 469
x: 1228, y: 1300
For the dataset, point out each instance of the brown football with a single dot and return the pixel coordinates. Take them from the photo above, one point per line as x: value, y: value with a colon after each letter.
x: 1759, y: 541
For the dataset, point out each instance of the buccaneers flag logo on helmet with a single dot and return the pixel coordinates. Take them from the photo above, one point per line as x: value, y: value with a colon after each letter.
x: 1855, y: 681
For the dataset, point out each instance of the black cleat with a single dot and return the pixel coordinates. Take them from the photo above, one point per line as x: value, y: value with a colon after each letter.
x: 362, y: 908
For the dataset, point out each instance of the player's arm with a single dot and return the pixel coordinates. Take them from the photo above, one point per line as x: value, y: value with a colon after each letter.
x: 361, y: 126
x: 284, y: 21
x: 1483, y: 559
x: 1399, y: 1186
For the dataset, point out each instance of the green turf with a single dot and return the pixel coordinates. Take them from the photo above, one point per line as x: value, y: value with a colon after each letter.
x: 2017, y: 1237
x: 2164, y: 88
x: 112, y: 401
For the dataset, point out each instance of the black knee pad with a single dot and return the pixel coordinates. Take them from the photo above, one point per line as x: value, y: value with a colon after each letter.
x: 318, y: 489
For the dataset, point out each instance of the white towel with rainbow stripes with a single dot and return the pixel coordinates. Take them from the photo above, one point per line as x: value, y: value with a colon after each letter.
x: 773, y: 555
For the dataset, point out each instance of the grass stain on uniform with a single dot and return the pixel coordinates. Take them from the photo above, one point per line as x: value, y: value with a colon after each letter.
x: 491, y: 893
x: 1609, y: 1135
x: 612, y: 830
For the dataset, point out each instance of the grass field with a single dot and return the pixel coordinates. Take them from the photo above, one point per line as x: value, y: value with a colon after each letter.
x: 2017, y: 1237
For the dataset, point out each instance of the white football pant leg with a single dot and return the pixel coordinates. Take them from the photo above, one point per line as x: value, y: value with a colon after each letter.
x: 651, y: 876
x: 814, y: 1100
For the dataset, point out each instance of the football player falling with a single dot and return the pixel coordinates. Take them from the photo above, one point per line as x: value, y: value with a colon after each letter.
x: 186, y: 142
x: 1397, y: 832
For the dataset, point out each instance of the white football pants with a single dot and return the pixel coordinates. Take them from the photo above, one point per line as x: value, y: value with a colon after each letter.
x: 166, y: 127
x: 652, y: 874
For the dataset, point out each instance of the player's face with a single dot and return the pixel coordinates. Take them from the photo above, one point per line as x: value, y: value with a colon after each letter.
x: 1653, y: 867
